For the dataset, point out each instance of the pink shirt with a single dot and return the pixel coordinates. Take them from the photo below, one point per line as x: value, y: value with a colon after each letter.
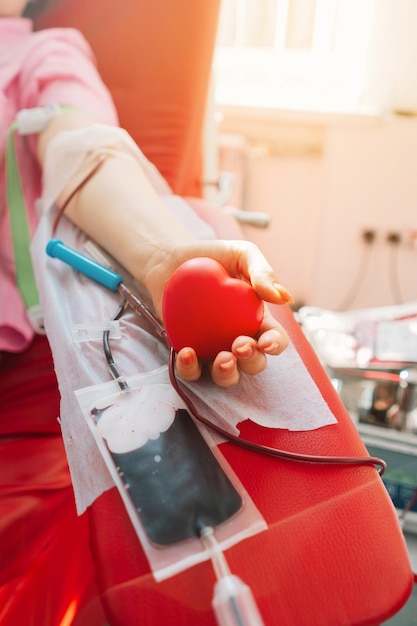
x: 54, y: 66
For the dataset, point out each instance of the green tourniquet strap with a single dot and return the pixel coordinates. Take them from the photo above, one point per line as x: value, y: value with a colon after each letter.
x: 19, y: 223
x: 21, y: 236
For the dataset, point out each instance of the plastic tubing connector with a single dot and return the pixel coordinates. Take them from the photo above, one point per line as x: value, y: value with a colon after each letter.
x: 233, y: 603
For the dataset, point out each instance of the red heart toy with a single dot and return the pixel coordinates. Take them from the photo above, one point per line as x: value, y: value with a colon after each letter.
x: 204, y: 308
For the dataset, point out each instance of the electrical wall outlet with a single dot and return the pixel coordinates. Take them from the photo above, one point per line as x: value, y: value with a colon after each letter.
x: 393, y: 235
x: 369, y: 235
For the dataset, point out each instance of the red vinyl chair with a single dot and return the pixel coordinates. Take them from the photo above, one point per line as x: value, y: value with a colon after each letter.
x: 334, y: 553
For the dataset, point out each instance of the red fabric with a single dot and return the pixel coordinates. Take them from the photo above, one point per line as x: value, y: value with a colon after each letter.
x: 46, y: 571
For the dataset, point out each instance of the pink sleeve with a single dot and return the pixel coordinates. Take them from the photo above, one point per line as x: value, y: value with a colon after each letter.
x: 61, y: 69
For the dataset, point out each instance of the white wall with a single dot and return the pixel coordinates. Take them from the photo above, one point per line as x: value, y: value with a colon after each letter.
x: 391, y: 81
x: 323, y: 181
x: 370, y: 181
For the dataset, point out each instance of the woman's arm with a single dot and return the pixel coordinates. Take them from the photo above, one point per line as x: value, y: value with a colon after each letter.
x: 120, y: 210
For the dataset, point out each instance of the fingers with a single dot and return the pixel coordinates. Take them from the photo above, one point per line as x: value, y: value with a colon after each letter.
x: 251, y: 354
x: 252, y: 265
x: 273, y: 338
x: 223, y: 370
x: 248, y: 355
x: 188, y: 367
x: 273, y: 341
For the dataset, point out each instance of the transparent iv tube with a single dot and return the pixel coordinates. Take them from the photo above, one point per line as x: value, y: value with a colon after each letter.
x: 233, y: 602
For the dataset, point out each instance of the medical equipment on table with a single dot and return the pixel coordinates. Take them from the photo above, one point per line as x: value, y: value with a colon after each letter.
x: 370, y: 356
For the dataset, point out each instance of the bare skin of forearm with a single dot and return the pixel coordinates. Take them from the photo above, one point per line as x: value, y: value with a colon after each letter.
x: 120, y: 210
x: 130, y: 221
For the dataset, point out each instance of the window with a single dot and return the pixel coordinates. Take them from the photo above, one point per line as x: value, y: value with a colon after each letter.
x: 303, y: 54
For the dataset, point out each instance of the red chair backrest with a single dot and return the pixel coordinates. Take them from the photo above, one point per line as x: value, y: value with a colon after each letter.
x: 155, y: 57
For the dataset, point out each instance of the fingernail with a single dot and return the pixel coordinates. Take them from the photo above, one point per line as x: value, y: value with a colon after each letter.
x: 245, y: 350
x: 227, y: 365
x: 285, y: 295
x: 187, y: 357
x: 271, y: 348
x: 271, y: 342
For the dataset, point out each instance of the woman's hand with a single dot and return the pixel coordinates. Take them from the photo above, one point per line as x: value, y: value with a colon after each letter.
x: 242, y: 260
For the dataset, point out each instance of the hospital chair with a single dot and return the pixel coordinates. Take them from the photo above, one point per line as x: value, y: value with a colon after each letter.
x: 334, y: 553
